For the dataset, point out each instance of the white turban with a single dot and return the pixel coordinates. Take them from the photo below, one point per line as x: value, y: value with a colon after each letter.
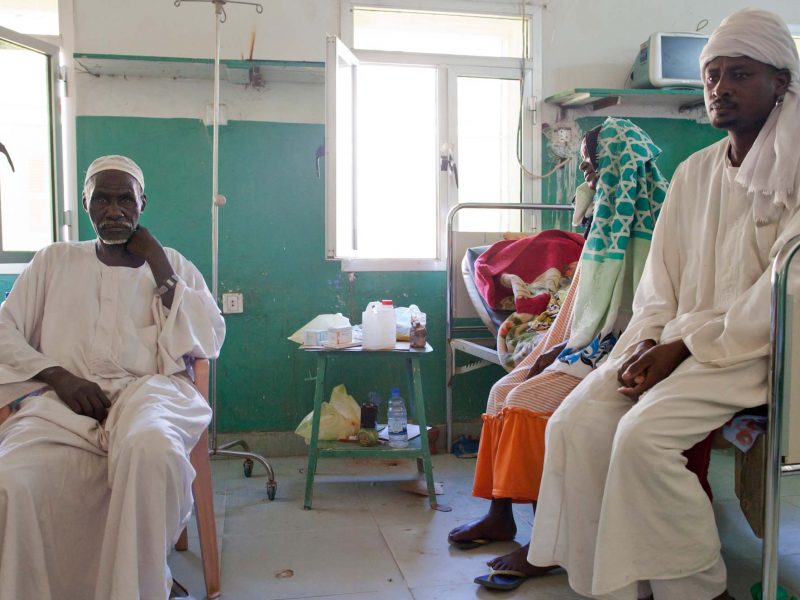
x: 770, y: 167
x: 113, y: 162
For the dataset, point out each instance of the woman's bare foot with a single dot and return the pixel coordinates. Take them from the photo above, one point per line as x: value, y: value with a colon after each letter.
x: 518, y: 561
x: 497, y: 525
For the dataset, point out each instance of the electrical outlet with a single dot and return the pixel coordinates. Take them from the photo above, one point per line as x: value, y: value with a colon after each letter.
x: 233, y: 303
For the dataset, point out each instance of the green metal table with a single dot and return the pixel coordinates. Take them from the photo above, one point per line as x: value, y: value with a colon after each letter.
x: 417, y: 448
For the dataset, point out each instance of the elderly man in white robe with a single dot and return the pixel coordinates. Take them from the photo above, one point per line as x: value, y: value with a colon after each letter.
x: 617, y: 508
x: 95, y: 478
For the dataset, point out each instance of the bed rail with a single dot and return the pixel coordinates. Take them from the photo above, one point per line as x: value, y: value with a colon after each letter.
x: 775, y: 466
x: 472, y: 347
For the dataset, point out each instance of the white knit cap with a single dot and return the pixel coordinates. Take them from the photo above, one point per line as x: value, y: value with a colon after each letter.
x: 770, y: 167
x: 114, y: 162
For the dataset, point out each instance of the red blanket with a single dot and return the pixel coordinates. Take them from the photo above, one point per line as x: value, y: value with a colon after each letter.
x: 527, y: 258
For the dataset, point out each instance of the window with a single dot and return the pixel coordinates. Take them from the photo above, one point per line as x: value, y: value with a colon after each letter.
x: 30, y: 192
x: 429, y: 109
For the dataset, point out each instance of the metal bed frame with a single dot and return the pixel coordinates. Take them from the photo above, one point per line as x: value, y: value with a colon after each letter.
x: 476, y: 347
x: 775, y: 465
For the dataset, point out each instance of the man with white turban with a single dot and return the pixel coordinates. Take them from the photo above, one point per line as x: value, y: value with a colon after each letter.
x: 95, y: 478
x: 617, y: 507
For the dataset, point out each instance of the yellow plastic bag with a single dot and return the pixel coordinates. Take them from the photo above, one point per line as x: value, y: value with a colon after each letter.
x: 339, y: 418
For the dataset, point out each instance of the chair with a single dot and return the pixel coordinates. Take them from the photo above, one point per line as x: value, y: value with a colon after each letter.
x: 203, y: 491
x: 203, y: 496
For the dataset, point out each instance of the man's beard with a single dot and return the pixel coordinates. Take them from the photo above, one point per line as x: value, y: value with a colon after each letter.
x: 111, y: 242
x: 114, y: 242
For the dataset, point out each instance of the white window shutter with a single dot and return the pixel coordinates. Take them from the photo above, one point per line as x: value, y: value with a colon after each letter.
x: 340, y: 134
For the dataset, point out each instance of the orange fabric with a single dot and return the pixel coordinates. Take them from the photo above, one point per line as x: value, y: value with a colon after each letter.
x: 510, y: 455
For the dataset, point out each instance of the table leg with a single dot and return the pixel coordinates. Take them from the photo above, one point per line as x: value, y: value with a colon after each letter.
x: 415, y: 389
x: 313, y: 447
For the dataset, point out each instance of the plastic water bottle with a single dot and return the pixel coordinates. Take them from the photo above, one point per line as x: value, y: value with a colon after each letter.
x: 398, y: 421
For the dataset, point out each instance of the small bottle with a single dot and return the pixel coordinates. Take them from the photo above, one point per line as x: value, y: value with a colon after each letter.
x: 398, y: 421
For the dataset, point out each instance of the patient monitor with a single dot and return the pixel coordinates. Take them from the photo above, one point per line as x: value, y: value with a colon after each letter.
x: 668, y: 60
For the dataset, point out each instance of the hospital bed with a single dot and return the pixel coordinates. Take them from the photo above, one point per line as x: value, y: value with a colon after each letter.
x: 479, y: 342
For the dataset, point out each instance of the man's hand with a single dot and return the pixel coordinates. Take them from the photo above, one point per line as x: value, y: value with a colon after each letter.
x: 144, y: 244
x: 82, y: 396
x: 648, y: 365
x: 545, y: 359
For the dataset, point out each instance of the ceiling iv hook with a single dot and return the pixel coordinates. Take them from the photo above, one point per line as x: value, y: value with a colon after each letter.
x: 221, y: 4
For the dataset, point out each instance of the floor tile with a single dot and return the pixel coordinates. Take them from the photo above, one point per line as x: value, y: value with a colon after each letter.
x: 422, y: 550
x: 334, y: 505
x: 367, y: 539
x: 551, y: 587
x: 738, y: 539
x: 322, y: 562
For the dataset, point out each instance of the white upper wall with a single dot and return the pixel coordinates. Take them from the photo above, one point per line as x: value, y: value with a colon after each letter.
x: 287, y: 29
x: 593, y: 43
x: 587, y: 43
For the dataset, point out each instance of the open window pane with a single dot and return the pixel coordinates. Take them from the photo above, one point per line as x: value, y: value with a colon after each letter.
x: 488, y: 113
x: 340, y: 82
x: 396, y: 163
x: 27, y: 192
x: 437, y: 33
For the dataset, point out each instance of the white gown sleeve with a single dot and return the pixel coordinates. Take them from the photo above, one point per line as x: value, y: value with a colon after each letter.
x: 742, y: 332
x: 20, y: 320
x: 656, y: 300
x: 193, y: 325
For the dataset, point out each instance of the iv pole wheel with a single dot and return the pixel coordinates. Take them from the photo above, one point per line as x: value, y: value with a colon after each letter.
x: 272, y: 487
x: 248, y: 468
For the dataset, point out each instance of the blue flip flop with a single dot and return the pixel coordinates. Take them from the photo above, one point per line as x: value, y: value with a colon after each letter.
x: 501, y: 579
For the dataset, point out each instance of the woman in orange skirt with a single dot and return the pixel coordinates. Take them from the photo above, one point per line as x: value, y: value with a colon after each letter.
x: 622, y: 183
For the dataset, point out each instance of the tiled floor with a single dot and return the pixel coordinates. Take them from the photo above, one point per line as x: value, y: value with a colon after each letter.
x: 367, y: 539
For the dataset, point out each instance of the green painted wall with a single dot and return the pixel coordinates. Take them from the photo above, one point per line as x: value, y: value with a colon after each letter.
x: 6, y: 281
x: 271, y: 249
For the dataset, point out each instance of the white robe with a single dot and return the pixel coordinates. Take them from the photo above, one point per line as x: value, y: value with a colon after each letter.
x: 617, y: 505
x: 89, y: 510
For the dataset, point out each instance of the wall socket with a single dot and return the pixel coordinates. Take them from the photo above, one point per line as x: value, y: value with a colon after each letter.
x: 232, y: 303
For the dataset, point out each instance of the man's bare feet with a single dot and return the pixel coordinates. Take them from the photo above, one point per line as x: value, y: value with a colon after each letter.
x: 518, y: 561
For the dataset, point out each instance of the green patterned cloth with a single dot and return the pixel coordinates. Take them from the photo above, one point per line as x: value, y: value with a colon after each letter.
x: 630, y: 191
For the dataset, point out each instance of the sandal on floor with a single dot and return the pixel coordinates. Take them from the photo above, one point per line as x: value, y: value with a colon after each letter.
x: 179, y: 592
x: 468, y: 544
x: 501, y: 579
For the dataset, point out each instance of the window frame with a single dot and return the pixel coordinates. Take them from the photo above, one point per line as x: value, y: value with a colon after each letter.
x: 13, y: 262
x: 527, y: 70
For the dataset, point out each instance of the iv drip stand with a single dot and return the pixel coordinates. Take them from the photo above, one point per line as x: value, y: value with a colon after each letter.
x: 218, y: 200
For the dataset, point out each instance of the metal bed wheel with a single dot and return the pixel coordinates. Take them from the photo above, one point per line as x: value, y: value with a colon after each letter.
x: 272, y: 488
x: 248, y: 467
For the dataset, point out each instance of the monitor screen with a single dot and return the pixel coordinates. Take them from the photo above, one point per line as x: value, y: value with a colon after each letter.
x: 680, y: 57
